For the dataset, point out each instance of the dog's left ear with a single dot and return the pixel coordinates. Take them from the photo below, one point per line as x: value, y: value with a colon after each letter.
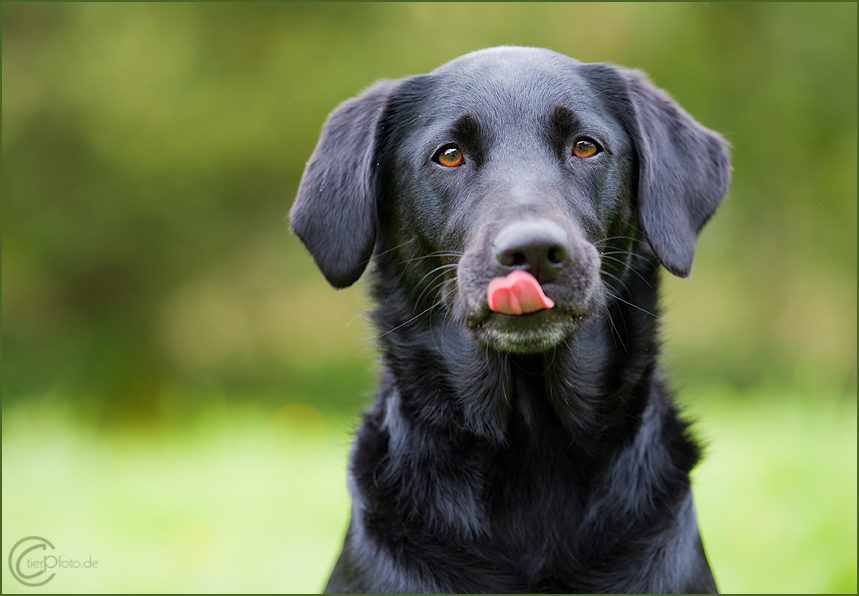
x: 683, y: 168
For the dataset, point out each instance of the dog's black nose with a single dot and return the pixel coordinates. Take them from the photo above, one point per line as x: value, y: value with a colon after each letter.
x: 540, y: 247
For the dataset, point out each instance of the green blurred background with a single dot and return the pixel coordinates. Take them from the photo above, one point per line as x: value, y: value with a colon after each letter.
x: 179, y: 383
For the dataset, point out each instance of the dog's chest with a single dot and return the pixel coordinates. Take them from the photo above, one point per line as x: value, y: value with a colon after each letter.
x: 533, y: 493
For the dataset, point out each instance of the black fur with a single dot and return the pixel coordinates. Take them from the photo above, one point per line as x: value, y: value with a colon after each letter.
x: 533, y: 453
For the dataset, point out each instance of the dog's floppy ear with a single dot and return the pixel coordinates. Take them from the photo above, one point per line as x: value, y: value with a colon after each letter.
x: 683, y: 168
x: 334, y: 213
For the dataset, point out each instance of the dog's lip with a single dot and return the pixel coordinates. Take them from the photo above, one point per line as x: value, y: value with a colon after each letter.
x: 484, y: 315
x: 529, y: 333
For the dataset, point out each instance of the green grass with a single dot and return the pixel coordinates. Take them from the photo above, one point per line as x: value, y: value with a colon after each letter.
x: 253, y: 501
x: 776, y: 493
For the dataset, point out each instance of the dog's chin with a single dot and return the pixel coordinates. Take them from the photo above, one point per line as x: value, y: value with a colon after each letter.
x: 526, y: 334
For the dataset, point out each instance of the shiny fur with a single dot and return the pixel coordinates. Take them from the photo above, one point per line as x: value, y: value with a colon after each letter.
x: 538, y: 453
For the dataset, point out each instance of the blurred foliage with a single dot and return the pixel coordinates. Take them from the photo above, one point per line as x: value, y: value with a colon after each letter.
x: 151, y: 152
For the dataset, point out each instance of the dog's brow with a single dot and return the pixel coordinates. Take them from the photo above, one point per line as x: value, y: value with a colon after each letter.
x: 564, y: 120
x: 560, y: 124
x: 467, y: 128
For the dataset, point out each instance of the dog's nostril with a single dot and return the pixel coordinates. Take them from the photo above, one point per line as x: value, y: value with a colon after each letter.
x: 538, y: 246
x: 513, y: 259
x: 557, y: 255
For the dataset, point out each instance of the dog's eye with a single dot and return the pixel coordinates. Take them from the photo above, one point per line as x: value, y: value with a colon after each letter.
x: 449, y: 156
x: 585, y: 148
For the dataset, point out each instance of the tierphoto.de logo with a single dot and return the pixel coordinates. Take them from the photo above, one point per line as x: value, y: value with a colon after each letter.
x: 33, y: 561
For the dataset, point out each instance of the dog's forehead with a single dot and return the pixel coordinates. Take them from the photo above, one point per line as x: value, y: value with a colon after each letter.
x: 506, y: 58
x: 510, y: 77
x: 506, y: 88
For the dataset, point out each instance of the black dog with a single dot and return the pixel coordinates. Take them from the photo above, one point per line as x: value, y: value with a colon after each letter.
x: 522, y: 439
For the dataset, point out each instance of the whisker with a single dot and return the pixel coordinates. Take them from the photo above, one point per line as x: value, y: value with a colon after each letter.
x: 438, y: 271
x: 447, y: 312
x: 442, y: 288
x: 621, y: 261
x: 609, y: 239
x: 634, y: 306
x: 394, y: 288
x: 614, y: 329
x: 434, y: 255
x: 409, y: 321
x: 616, y: 278
x: 384, y: 252
x: 629, y: 253
x: 403, y: 272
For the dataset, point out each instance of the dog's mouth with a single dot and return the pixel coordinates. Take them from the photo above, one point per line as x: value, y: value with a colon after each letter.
x: 519, y: 317
x: 527, y: 333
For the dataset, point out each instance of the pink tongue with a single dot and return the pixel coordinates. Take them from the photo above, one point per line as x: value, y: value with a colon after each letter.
x: 517, y: 294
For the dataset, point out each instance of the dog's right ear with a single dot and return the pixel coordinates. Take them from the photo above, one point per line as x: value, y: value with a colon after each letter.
x: 334, y: 213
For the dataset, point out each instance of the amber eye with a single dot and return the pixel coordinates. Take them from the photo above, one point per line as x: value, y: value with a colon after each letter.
x: 449, y: 156
x: 585, y: 148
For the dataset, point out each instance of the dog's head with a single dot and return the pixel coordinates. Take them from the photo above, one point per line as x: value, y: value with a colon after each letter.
x: 509, y: 160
